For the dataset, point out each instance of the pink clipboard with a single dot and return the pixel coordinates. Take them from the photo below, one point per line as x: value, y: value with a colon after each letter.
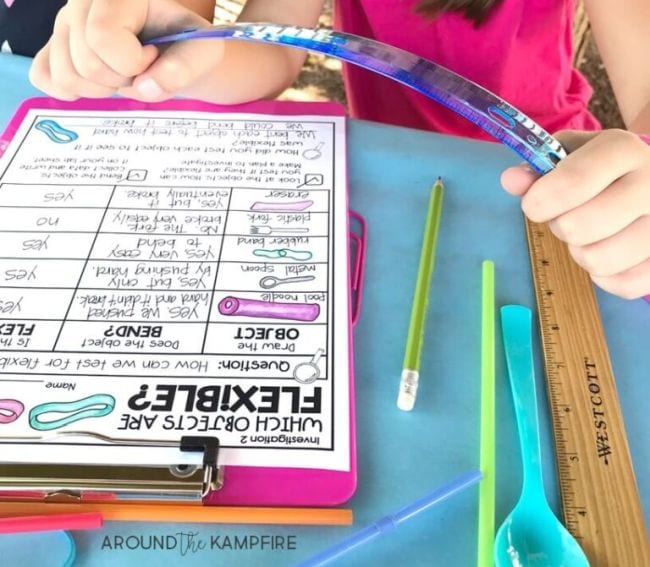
x: 258, y: 486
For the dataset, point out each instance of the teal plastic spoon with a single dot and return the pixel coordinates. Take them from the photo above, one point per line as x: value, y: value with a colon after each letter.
x: 531, y: 536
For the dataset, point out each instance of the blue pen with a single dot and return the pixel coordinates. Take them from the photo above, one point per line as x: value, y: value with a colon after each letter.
x: 391, y: 521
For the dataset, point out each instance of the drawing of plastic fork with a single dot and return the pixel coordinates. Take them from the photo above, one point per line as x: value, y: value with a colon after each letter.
x: 263, y: 229
x: 275, y: 207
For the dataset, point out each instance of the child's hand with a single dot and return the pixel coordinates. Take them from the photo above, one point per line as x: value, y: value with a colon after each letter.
x: 94, y: 51
x: 598, y: 201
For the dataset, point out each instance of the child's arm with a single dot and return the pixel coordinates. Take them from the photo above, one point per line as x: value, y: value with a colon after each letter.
x: 94, y: 51
x: 598, y: 198
x: 622, y: 31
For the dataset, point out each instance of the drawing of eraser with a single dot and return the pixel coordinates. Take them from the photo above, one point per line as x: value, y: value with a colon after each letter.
x: 271, y: 207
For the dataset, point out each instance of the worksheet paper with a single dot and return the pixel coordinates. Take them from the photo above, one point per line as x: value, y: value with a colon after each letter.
x: 170, y: 273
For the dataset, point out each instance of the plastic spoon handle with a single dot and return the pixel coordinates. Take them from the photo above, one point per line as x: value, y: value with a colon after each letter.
x: 516, y: 322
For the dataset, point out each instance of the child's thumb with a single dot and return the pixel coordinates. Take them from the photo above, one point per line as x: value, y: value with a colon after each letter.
x: 517, y: 180
x: 177, y: 68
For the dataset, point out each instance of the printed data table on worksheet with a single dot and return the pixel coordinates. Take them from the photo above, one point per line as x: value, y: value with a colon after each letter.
x: 167, y: 273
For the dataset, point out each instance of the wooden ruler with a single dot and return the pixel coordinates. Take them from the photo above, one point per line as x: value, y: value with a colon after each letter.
x: 600, y: 498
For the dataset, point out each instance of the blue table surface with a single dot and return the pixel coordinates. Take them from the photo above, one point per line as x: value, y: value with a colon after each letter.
x: 401, y: 455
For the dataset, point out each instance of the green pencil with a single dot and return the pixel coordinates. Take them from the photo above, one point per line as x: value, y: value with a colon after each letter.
x: 411, y: 369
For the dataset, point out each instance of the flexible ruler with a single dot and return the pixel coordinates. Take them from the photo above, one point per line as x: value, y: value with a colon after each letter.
x: 468, y: 99
x: 600, y: 497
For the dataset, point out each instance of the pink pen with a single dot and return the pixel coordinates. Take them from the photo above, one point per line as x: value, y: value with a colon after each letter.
x: 55, y: 522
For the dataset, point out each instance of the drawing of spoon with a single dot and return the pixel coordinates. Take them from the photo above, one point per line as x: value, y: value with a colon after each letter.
x: 269, y: 282
x: 531, y: 535
x: 308, y: 372
x: 313, y: 153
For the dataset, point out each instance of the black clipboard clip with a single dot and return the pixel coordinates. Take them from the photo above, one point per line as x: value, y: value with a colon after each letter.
x: 212, y: 472
x: 71, y: 481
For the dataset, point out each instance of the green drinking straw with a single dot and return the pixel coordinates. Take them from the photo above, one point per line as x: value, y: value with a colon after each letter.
x: 411, y: 370
x: 487, y: 465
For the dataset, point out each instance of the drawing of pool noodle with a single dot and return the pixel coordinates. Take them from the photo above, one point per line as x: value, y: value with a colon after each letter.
x: 263, y: 206
x: 10, y: 410
x: 300, y: 255
x: 97, y: 405
x: 55, y: 132
x: 232, y: 306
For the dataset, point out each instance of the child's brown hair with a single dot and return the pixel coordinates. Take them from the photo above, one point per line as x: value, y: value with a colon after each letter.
x: 475, y: 10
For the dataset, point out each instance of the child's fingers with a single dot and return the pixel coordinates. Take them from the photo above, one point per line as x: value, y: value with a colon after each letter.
x: 517, y: 180
x: 112, y: 30
x: 177, y: 68
x: 617, y: 254
x: 86, y: 62
x: 41, y: 78
x: 609, y: 212
x: 631, y: 284
x: 62, y: 70
x: 584, y: 173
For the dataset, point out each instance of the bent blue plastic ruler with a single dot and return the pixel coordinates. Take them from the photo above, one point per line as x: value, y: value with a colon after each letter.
x: 480, y: 106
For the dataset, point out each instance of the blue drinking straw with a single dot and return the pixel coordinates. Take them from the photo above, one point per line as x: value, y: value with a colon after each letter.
x: 391, y: 521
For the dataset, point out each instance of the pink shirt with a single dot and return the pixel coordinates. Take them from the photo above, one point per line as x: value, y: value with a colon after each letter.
x: 523, y: 52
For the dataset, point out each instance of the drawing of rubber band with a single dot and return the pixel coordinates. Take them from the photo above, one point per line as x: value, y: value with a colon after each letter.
x: 55, y: 132
x: 300, y: 255
x: 97, y: 405
x: 238, y: 306
x: 308, y: 372
x: 293, y: 206
x: 10, y: 410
